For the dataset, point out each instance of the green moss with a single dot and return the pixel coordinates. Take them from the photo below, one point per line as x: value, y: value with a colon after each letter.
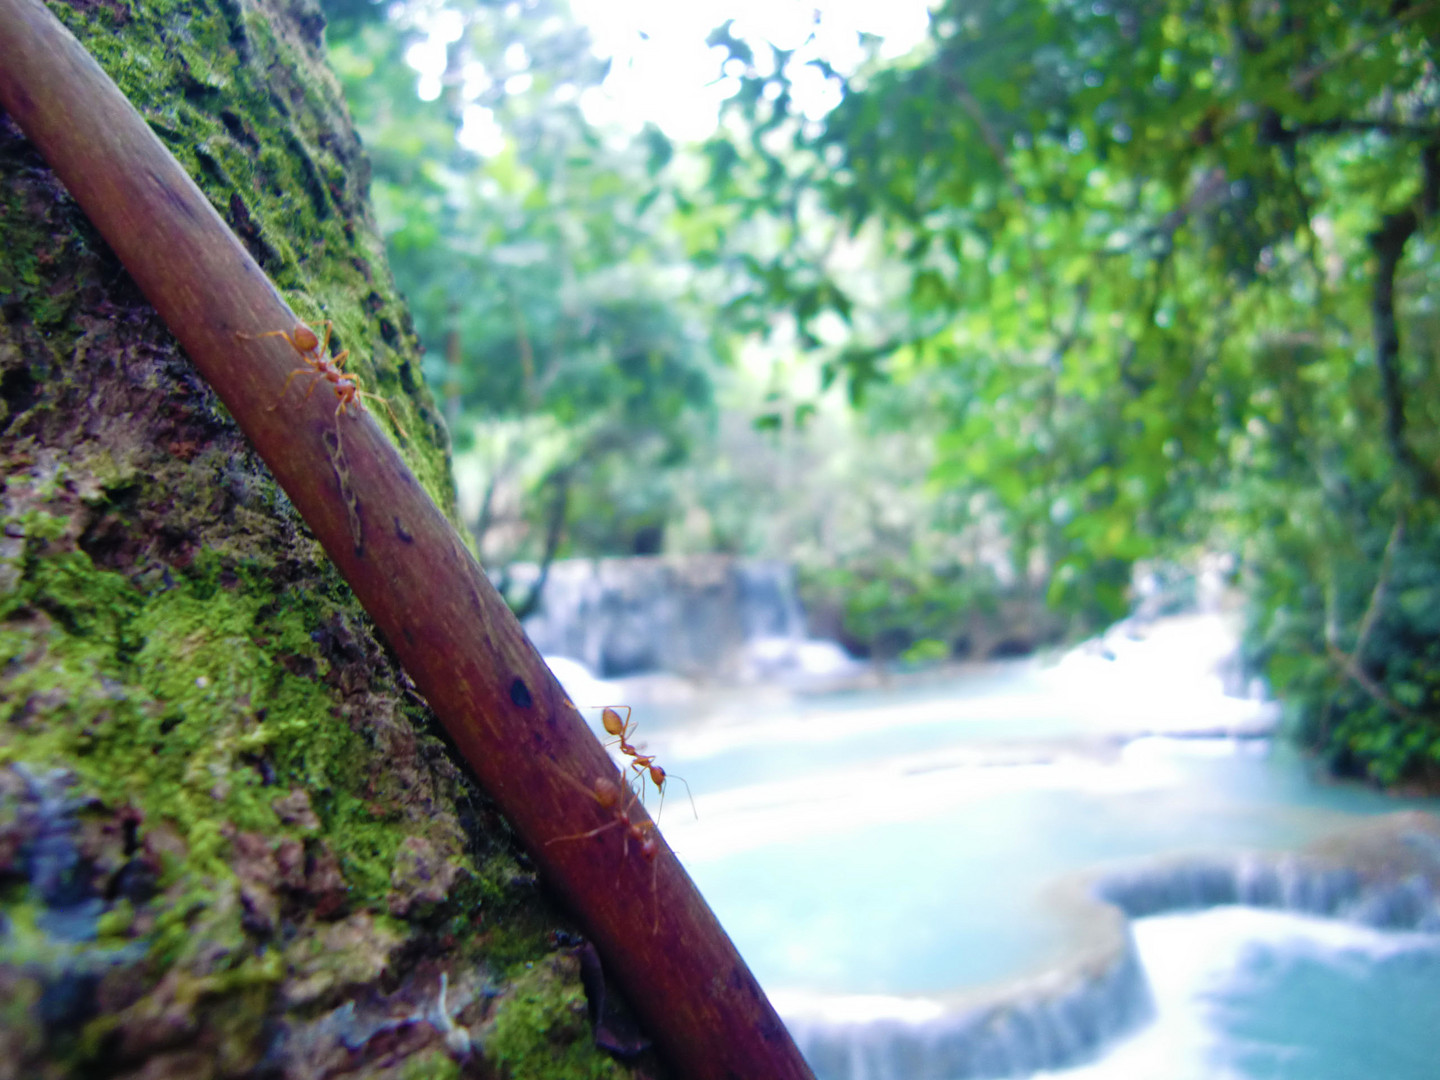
x: 434, y: 1065
x: 300, y: 187
x: 163, y: 701
x: 160, y: 699
x: 541, y: 1029
x: 172, y: 638
x: 196, y: 698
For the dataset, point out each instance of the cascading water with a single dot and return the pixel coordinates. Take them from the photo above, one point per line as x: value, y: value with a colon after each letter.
x: 705, y: 617
x: 924, y: 877
x: 769, y: 607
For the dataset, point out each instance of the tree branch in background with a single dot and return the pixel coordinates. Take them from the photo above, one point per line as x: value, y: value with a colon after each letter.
x: 1382, y: 583
x: 1351, y: 663
x: 533, y: 390
x: 554, y: 532
x: 1310, y: 74
x: 1348, y: 664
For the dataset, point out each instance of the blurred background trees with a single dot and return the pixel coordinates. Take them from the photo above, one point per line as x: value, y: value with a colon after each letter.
x: 563, y: 335
x: 1071, y: 287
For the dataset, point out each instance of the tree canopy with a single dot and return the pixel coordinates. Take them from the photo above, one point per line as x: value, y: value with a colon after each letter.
x: 560, y: 323
x: 1174, y: 263
x: 1145, y: 278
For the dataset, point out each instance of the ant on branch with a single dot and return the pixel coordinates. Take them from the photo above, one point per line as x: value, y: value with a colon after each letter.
x: 608, y: 794
x: 643, y: 764
x: 315, y: 352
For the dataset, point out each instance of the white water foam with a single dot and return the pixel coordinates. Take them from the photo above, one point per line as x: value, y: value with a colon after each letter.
x: 1190, y: 957
x: 923, y: 787
x: 580, y: 684
x: 1167, y: 677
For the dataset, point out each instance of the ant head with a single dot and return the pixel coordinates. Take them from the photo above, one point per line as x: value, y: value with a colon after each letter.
x: 657, y: 775
x: 649, y: 847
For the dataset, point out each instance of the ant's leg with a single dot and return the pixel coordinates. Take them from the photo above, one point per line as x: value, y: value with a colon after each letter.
x: 285, y: 389
x: 586, y: 835
x: 273, y: 333
x: 386, y: 402
x: 654, y: 891
x: 629, y: 729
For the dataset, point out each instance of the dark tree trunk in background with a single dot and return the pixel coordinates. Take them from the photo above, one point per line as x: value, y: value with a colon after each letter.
x: 1388, y: 242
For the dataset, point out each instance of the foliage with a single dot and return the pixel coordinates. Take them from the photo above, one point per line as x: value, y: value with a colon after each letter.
x: 890, y: 608
x: 1124, y: 280
x: 532, y: 252
x: 1347, y: 634
x: 1174, y: 261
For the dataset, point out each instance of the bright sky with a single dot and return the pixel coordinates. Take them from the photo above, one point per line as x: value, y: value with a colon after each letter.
x: 664, y: 73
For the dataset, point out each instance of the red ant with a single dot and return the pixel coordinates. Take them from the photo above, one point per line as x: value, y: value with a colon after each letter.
x: 643, y: 764
x: 607, y: 793
x: 314, y: 352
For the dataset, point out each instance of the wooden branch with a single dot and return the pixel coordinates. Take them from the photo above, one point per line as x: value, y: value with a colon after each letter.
x: 1346, y: 663
x: 1350, y: 663
x: 1310, y: 74
x: 1382, y: 586
x: 507, y: 715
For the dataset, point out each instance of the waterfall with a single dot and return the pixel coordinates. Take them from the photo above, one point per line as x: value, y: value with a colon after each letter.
x: 1017, y: 1033
x: 1384, y: 875
x: 706, y: 616
x: 769, y: 607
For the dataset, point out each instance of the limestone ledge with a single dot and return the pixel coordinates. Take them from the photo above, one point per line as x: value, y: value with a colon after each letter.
x: 1384, y: 873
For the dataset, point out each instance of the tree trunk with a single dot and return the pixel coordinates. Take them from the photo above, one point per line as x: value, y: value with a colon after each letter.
x: 233, y: 841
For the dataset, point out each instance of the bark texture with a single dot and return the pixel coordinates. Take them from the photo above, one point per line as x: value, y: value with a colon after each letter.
x: 233, y: 841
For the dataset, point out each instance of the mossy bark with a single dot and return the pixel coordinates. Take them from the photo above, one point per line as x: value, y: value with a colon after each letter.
x: 232, y: 839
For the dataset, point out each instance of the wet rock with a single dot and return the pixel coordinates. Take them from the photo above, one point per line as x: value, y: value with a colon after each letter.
x: 1384, y: 873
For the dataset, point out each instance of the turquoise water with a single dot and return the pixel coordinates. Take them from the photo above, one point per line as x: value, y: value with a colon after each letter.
x: 938, y: 882
x: 1297, y: 1014
x: 907, y: 842
x: 1256, y: 995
